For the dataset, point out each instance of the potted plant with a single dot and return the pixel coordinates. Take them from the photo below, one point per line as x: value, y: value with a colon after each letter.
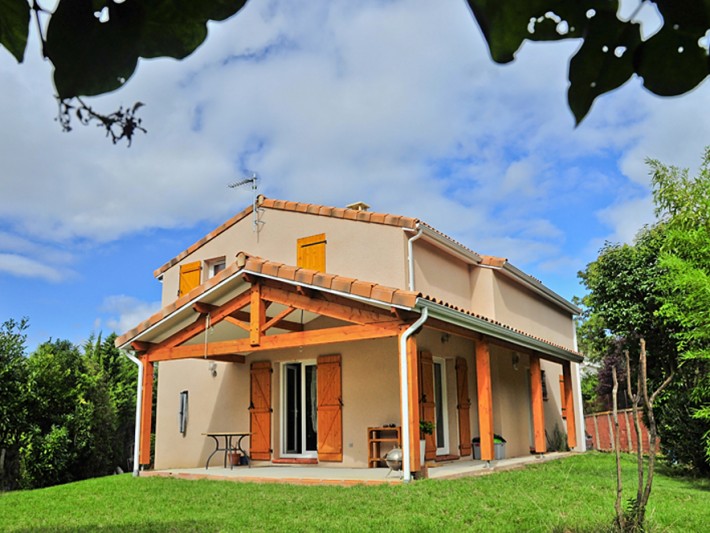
x: 425, y: 428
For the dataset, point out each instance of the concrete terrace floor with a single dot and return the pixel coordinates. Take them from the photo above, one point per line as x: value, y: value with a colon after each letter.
x: 324, y: 475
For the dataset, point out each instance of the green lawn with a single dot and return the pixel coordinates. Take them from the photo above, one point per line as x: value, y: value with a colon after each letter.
x: 573, y: 494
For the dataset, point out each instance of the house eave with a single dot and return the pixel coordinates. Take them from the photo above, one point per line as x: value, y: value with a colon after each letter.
x: 479, y: 325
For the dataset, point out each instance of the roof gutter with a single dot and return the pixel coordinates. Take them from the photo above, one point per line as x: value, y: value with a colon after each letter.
x: 491, y: 329
x: 447, y: 244
x: 139, y: 396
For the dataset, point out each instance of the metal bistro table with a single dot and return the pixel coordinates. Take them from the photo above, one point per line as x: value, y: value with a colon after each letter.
x: 229, y: 445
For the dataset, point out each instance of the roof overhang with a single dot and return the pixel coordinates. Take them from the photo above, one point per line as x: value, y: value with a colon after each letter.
x: 497, y: 331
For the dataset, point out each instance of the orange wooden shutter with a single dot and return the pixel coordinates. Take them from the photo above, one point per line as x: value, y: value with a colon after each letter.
x: 563, y: 397
x: 310, y: 252
x: 427, y: 405
x: 260, y: 411
x: 330, y: 408
x: 464, y: 405
x: 189, y: 277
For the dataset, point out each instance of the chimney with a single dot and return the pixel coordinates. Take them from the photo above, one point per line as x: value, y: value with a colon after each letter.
x: 358, y: 206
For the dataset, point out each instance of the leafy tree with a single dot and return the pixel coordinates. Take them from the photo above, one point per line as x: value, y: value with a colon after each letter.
x: 12, y: 411
x: 71, y: 422
x: 95, y: 45
x: 683, y: 203
x: 120, y: 376
x: 655, y: 289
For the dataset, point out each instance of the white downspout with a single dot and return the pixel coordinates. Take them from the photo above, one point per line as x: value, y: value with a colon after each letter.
x: 578, y: 407
x: 404, y: 387
x: 139, y: 394
x: 410, y: 255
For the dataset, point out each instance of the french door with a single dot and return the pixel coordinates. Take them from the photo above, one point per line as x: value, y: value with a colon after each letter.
x: 299, y: 391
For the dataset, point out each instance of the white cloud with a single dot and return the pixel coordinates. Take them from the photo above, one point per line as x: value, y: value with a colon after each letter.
x: 126, y: 312
x: 627, y: 218
x: 25, y: 267
x: 396, y: 103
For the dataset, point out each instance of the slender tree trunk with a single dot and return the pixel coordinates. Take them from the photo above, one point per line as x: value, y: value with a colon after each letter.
x: 652, y: 431
x: 620, y: 521
x: 634, y: 399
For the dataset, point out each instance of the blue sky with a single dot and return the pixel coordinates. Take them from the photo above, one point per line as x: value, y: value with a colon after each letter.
x: 395, y: 103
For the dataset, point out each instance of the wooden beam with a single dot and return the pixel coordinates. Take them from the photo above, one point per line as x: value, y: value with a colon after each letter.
x: 274, y: 342
x: 569, y: 404
x: 283, y: 324
x: 270, y: 322
x: 199, y: 325
x: 485, y: 399
x: 141, y: 347
x: 538, y: 407
x: 146, y: 412
x: 246, y: 326
x: 348, y: 311
x: 445, y: 327
x: 257, y: 313
x: 203, y: 308
x: 229, y: 358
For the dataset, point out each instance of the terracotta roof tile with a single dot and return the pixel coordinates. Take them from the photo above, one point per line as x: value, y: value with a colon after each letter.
x: 287, y: 272
x: 270, y: 268
x: 300, y: 207
x: 493, y: 261
x: 362, y: 288
x: 365, y: 289
x: 342, y: 284
x: 382, y: 293
x: 321, y: 279
x: 305, y: 276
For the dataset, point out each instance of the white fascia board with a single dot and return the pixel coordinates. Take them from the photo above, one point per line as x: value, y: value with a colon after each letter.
x: 448, y: 245
x: 479, y: 325
x: 175, y: 313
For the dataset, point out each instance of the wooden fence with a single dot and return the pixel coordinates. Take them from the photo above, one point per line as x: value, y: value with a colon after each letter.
x: 601, y: 428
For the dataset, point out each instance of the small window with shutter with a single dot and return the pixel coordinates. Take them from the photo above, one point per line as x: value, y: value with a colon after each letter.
x: 189, y: 277
x: 310, y: 252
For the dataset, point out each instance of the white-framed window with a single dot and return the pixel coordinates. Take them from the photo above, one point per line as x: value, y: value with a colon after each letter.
x: 182, y: 412
x: 215, y: 266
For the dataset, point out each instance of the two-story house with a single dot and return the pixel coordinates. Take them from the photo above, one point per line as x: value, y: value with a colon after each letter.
x: 306, y: 325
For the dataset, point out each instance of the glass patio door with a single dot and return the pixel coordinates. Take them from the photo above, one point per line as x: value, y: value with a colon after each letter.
x: 300, y: 415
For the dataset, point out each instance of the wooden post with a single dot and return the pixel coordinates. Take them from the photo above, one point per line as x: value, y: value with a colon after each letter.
x: 258, y: 315
x: 538, y: 409
x: 146, y: 411
x: 569, y: 403
x: 485, y: 399
x: 413, y: 379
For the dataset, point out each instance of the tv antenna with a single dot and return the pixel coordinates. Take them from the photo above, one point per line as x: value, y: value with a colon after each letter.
x: 254, y: 181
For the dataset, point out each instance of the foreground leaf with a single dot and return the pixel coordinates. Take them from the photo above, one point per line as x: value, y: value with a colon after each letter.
x: 92, y: 57
x: 14, y: 25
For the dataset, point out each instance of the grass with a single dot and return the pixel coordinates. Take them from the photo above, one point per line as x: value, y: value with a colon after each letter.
x: 574, y: 494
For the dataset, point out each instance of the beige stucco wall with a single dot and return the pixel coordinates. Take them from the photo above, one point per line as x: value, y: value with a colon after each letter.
x: 215, y: 404
x: 494, y: 295
x: 370, y: 398
x: 370, y: 381
x: 441, y: 275
x: 361, y: 250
